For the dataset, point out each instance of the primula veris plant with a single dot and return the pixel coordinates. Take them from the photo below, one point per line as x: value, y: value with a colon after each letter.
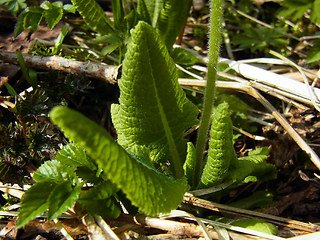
x: 151, y: 162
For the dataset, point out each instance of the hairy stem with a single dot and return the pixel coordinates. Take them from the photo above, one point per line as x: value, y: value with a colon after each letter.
x: 209, y: 94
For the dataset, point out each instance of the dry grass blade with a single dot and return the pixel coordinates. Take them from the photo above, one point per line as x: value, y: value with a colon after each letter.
x: 308, y: 227
x: 246, y: 86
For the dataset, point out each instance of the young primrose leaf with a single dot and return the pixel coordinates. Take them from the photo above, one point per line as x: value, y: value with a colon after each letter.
x: 221, y: 151
x: 151, y: 191
x: 153, y: 111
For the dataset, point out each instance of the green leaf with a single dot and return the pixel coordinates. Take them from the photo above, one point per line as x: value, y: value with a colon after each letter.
x: 295, y: 8
x: 53, y: 13
x: 25, y: 72
x: 99, y: 200
x: 117, y: 12
x: 29, y: 18
x: 151, y: 191
x: 183, y: 56
x: 172, y: 19
x: 258, y: 155
x: 315, y: 13
x: 189, y: 164
x: 10, y: 89
x: 94, y: 16
x: 221, y: 151
x: 88, y: 175
x: 61, y: 198
x: 54, y: 171
x: 253, y: 167
x: 153, y: 7
x: 153, y: 111
x: 69, y: 8
x: 258, y: 199
x: 314, y: 53
x: 14, y: 5
x: 256, y: 225
x: 143, y: 11
x: 34, y: 202
x: 71, y: 155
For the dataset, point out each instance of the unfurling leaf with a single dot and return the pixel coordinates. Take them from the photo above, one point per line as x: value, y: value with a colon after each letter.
x: 189, y: 164
x: 221, y: 151
x: 151, y: 191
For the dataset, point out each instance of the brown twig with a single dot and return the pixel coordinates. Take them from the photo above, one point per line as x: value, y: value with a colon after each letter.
x: 101, y: 71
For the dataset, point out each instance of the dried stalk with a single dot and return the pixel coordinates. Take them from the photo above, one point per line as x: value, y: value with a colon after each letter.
x: 89, y: 69
x: 246, y: 87
x: 175, y: 228
x: 308, y: 227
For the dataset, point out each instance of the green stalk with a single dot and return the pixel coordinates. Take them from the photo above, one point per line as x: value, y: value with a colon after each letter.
x: 209, y: 94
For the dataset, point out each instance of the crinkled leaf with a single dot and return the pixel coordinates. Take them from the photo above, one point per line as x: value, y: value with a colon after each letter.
x: 189, y: 164
x: 34, y: 202
x: 99, y: 200
x: 153, y: 110
x: 253, y: 167
x: 256, y: 225
x: 221, y: 151
x: 61, y: 198
x: 54, y: 171
x: 53, y: 13
x: 148, y: 189
x: 172, y: 19
x: 262, y: 172
x: 94, y: 16
x: 74, y: 156
x: 258, y: 155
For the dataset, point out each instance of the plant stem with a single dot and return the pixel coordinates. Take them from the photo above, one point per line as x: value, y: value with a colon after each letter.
x: 209, y: 94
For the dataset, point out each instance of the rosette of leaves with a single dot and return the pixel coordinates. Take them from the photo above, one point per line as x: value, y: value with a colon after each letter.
x: 150, y: 120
